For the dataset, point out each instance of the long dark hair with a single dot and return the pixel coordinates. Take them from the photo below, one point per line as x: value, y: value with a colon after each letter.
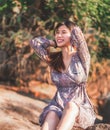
x: 56, y: 58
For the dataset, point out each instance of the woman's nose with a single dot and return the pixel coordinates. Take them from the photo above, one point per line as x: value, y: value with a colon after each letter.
x: 59, y: 34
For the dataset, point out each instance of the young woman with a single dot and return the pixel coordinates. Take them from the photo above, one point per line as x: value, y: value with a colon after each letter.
x: 69, y: 72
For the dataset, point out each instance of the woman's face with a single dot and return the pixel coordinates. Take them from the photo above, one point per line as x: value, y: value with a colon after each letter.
x: 62, y: 36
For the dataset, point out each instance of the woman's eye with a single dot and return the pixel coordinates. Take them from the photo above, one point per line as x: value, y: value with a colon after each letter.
x: 61, y: 32
x: 57, y: 32
x: 64, y: 32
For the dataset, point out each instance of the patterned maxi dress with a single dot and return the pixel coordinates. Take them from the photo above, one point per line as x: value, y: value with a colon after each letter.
x: 70, y: 84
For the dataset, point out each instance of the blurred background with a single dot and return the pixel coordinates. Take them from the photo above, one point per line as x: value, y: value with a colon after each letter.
x: 22, y: 70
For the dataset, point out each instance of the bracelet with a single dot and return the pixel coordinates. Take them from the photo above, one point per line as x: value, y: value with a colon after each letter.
x: 55, y: 44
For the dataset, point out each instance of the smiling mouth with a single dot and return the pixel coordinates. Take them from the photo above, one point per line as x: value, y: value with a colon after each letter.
x: 60, y: 40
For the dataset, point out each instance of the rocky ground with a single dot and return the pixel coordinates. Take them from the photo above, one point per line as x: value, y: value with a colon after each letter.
x: 20, y: 111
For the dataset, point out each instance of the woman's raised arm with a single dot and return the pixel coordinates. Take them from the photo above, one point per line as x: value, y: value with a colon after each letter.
x: 40, y: 45
x: 81, y: 45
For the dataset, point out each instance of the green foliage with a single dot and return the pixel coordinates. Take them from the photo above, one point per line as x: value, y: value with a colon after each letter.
x: 45, y: 13
x: 104, y: 49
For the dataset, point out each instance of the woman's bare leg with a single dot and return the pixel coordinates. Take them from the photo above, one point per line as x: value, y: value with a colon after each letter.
x: 70, y: 113
x: 51, y: 121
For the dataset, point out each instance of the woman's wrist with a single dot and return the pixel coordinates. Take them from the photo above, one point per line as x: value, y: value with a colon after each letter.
x: 53, y: 43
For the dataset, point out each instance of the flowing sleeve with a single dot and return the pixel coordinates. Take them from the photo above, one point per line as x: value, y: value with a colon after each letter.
x: 40, y: 45
x: 79, y: 41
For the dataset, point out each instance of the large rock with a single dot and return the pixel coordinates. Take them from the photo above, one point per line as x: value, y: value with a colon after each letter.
x: 100, y: 126
x: 19, y: 112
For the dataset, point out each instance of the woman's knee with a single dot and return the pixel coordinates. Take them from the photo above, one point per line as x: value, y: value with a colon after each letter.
x: 51, y: 115
x: 51, y: 121
x: 72, y: 106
